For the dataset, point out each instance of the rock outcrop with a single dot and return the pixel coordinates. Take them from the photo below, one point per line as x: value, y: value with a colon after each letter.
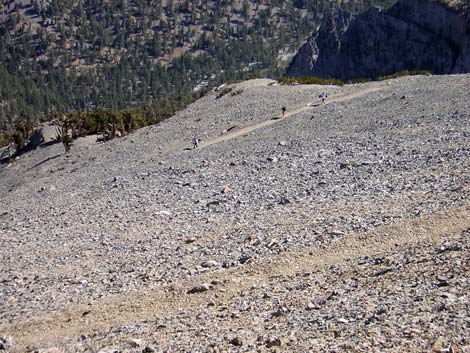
x: 411, y: 35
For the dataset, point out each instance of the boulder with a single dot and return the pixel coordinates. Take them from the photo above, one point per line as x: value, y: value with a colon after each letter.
x: 45, y: 134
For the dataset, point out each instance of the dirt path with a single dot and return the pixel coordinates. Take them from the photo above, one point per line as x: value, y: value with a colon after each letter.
x: 301, y: 109
x: 50, y: 328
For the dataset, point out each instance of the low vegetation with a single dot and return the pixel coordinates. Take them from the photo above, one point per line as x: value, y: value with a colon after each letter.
x: 314, y: 80
x: 405, y: 73
x: 63, y: 126
x: 236, y: 92
x: 310, y: 80
x: 19, y: 136
x: 5, y: 138
x: 223, y: 91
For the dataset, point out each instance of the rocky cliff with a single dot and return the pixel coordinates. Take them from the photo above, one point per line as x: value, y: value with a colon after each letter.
x: 411, y: 35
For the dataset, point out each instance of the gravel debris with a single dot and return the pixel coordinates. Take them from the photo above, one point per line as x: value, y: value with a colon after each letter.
x: 146, y: 212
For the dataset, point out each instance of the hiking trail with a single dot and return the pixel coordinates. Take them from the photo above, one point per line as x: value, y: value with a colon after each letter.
x: 271, y: 121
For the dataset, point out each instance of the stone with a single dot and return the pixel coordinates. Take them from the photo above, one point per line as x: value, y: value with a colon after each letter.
x: 244, y: 259
x: 147, y: 261
x: 5, y: 343
x: 236, y: 341
x: 119, y: 215
x: 45, y: 134
x: 136, y: 342
x: 199, y: 288
x: 273, y: 159
x: 382, y: 272
x: 280, y: 312
x: 276, y: 342
x: 311, y: 306
x: 439, y: 344
x: 165, y: 213
x: 210, y: 263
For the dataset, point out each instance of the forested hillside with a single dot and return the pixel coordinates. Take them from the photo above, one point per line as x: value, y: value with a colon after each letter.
x: 63, y: 55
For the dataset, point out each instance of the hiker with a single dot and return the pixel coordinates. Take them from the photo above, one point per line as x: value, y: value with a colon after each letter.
x: 196, y: 142
x: 323, y: 97
x: 117, y: 133
x: 283, y: 111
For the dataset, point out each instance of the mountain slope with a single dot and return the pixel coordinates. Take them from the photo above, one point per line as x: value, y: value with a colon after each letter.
x: 94, y: 239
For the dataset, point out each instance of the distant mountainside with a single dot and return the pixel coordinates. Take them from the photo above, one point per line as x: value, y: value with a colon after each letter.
x: 411, y: 35
x: 60, y: 55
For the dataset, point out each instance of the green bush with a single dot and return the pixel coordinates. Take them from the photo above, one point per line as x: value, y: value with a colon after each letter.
x: 310, y: 80
x: 22, y: 131
x: 236, y: 92
x: 63, y: 126
x: 405, y: 73
x: 224, y: 91
x: 313, y: 80
x: 5, y: 138
x: 359, y: 80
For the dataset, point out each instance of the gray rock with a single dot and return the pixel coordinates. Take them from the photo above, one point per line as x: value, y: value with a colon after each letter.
x: 5, y: 343
x: 199, y: 288
x: 273, y: 159
x: 236, y: 341
x: 210, y: 263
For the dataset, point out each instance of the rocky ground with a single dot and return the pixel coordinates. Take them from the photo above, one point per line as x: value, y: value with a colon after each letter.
x: 103, y: 248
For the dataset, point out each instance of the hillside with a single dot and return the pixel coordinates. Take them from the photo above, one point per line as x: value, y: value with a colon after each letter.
x: 411, y: 35
x: 340, y: 227
x: 63, y: 55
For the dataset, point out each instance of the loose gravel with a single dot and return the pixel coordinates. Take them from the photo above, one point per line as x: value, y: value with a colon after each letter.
x: 146, y: 210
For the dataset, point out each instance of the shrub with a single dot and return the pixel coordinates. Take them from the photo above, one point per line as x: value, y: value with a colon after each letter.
x: 5, y: 138
x: 310, y: 80
x: 359, y: 80
x: 236, y: 92
x: 63, y: 126
x: 405, y: 73
x: 223, y: 92
x: 22, y: 131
